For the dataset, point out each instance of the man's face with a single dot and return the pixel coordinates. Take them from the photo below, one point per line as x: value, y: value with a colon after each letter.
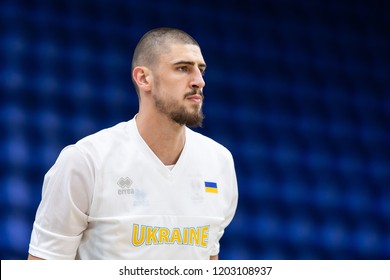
x: 178, y: 84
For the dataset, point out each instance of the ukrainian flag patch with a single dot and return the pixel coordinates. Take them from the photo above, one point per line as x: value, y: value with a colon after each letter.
x: 211, y: 187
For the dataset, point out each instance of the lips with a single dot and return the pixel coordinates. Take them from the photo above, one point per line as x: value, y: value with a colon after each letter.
x: 195, y: 98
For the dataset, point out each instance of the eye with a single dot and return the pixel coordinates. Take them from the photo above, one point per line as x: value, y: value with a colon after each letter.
x: 182, y: 68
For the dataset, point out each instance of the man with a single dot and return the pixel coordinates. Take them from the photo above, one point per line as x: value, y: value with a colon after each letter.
x: 149, y: 188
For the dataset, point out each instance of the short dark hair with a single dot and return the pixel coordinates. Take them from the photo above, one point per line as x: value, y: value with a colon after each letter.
x: 154, y: 43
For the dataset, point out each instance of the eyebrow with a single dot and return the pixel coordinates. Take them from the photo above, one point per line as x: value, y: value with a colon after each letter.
x: 190, y: 63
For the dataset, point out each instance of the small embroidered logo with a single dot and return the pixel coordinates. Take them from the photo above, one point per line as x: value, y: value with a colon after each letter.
x: 125, y: 186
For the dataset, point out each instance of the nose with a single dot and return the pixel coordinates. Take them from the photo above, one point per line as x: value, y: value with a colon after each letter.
x: 198, y: 82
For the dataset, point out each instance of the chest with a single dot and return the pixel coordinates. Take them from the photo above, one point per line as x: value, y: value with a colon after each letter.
x: 133, y: 185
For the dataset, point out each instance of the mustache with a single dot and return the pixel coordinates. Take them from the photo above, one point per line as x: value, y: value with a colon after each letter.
x: 193, y: 92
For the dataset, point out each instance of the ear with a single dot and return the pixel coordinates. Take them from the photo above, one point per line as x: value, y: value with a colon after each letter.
x: 142, y: 76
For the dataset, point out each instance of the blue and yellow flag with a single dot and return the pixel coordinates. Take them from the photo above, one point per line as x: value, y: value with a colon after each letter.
x: 211, y: 187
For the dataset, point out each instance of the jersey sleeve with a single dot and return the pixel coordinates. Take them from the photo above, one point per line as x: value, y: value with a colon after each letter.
x: 62, y: 215
x: 232, y: 201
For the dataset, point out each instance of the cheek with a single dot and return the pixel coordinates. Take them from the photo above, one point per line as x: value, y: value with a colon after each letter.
x: 173, y: 86
x: 174, y: 91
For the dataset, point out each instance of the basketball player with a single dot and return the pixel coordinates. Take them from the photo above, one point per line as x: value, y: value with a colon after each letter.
x: 148, y: 188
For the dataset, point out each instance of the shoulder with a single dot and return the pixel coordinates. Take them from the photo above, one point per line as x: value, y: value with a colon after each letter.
x: 96, y: 147
x: 105, y: 139
x: 207, y: 145
x: 117, y: 131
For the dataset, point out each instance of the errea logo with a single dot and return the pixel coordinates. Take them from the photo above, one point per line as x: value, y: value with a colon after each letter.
x: 125, y: 186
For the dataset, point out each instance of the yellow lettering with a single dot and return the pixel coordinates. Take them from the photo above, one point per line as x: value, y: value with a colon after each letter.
x: 151, y: 235
x: 155, y: 235
x: 176, y: 236
x: 194, y: 236
x: 185, y: 236
x: 138, y: 241
x: 205, y: 236
x: 163, y: 236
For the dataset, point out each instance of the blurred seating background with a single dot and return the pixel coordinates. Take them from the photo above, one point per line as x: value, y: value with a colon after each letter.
x: 297, y: 90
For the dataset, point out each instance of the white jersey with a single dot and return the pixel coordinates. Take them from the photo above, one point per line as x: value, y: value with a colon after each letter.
x: 110, y: 197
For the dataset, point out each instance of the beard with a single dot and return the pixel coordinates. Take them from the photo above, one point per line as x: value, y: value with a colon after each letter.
x: 178, y: 113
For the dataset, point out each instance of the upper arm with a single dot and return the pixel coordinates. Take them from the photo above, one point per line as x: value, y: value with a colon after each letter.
x: 62, y: 215
x: 31, y: 257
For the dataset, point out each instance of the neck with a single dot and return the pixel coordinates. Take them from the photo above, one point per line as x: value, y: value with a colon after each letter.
x: 163, y: 136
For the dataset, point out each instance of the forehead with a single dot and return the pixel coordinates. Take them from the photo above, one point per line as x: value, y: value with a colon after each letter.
x: 183, y: 52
